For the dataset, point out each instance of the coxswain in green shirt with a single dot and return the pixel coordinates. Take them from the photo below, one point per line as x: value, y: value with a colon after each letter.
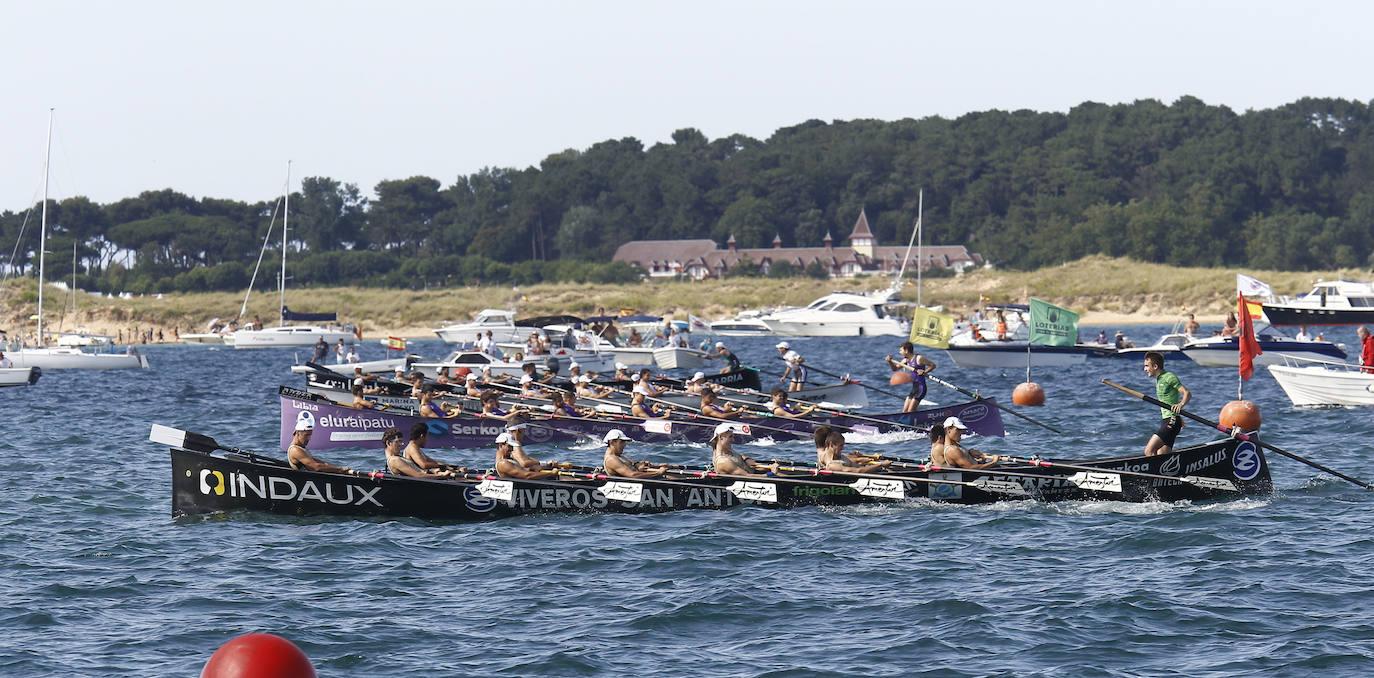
x: 1168, y: 389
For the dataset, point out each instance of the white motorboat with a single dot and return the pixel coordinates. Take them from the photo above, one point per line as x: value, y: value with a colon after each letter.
x: 19, y: 376
x: 290, y: 336
x: 839, y: 314
x: 679, y: 358
x: 1340, y: 302
x: 214, y: 334
x: 1225, y: 351
x: 82, y: 338
x: 65, y: 357
x: 744, y: 324
x: 1323, y: 383
x: 386, y: 365
x: 1170, y: 345
x: 500, y: 323
x: 558, y: 361
x: 1012, y: 354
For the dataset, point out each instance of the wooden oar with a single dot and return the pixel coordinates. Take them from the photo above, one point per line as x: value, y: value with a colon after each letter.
x: 998, y: 405
x: 826, y: 410
x: 851, y: 381
x: 1240, y: 435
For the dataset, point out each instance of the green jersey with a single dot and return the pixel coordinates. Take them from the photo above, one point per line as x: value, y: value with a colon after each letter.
x: 1166, y: 390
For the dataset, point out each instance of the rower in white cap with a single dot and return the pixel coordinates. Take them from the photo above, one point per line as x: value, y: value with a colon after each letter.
x: 722, y: 353
x: 794, y: 367
x: 507, y: 466
x: 726, y: 461
x: 299, y: 458
x: 617, y: 465
x: 956, y: 455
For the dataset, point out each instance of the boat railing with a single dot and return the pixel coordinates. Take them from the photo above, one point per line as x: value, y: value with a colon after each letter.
x: 1290, y: 360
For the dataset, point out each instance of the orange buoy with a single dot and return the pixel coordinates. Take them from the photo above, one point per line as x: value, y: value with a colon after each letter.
x: 1028, y: 393
x: 1242, y: 413
x: 899, y: 377
x: 259, y: 655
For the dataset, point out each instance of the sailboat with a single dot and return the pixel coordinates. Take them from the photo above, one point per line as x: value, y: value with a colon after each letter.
x: 292, y: 335
x: 65, y: 357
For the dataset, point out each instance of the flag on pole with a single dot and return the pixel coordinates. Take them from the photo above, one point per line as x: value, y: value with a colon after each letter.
x: 395, y: 344
x: 1256, y: 310
x: 695, y: 324
x: 626, y: 311
x: 1249, y: 348
x: 1052, y: 325
x: 1247, y: 285
x: 929, y: 328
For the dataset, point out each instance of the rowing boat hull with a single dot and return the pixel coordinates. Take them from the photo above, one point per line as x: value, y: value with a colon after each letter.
x: 217, y: 483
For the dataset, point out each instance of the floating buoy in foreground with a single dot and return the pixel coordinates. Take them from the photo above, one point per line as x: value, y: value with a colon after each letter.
x: 1028, y: 393
x: 899, y: 377
x: 258, y: 655
x: 1242, y: 413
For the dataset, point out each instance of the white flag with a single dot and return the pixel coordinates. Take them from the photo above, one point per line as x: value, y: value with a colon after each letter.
x: 695, y: 324
x: 1251, y: 287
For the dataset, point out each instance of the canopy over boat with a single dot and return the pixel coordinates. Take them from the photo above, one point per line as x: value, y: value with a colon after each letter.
x: 288, y: 315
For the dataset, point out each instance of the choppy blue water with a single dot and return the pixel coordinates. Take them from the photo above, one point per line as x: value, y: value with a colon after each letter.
x: 101, y: 581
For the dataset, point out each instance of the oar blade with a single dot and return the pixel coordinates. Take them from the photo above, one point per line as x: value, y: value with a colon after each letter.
x: 1211, y: 483
x: 1010, y: 487
x: 751, y: 491
x: 175, y: 437
x: 1093, y: 480
x: 882, y: 489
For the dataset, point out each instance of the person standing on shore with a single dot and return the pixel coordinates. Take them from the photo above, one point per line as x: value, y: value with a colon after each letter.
x: 1171, y: 391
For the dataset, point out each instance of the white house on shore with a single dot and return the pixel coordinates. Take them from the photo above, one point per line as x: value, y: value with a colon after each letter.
x: 699, y: 259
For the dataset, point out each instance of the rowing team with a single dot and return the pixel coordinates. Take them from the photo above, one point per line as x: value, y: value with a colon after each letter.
x: 410, y: 459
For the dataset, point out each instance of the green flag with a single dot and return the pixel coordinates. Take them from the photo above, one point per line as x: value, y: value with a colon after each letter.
x: 1051, y: 325
x: 929, y: 328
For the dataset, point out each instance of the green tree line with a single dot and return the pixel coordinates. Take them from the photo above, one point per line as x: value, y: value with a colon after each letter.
x: 1187, y: 183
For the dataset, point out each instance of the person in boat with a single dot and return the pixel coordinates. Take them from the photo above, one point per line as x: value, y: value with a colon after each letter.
x: 417, y: 384
x: 1172, y: 392
x: 622, y: 372
x: 5, y: 363
x: 634, y: 340
x: 955, y: 454
x: 516, y: 429
x: 561, y: 407
x: 299, y: 458
x: 491, y: 401
x: 436, y: 410
x: 795, y: 369
x: 640, y: 408
x: 675, y: 339
x: 617, y: 465
x: 1120, y: 341
x: 321, y: 350
x: 472, y: 386
x: 696, y: 385
x: 919, y: 366
x: 584, y: 387
x: 367, y: 381
x: 782, y: 409
x: 1191, y: 327
x: 529, y: 388
x: 1366, y: 349
x: 489, y: 378
x: 1101, y: 337
x: 711, y: 407
x: 731, y: 360
x: 532, y: 370
x: 443, y: 377
x: 340, y: 353
x: 1232, y: 327
x: 353, y: 358
x: 574, y: 370
x: 362, y: 403
x: 976, y: 333
x: 396, y: 461
x: 1302, y: 334
x: 1002, y: 327
x: 937, y: 444
x: 642, y: 385
x: 726, y: 461
x: 832, y: 457
x: 415, y: 451
x: 509, y: 466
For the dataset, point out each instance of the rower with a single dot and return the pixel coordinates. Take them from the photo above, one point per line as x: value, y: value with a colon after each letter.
x: 443, y: 377
x: 831, y: 457
x: 709, y: 408
x: 696, y: 384
x: 417, y: 384
x: 361, y: 403
x: 794, y: 367
x: 731, y: 361
x: 640, y: 408
x: 726, y: 461
x: 299, y: 458
x: 369, y: 382
x: 622, y: 372
x: 937, y: 444
x: 509, y: 467
x: 642, y: 385
x: 617, y: 465
x: 955, y: 454
x: 490, y: 407
x: 415, y: 450
x: 396, y: 461
x: 532, y: 371
x: 516, y: 431
x: 587, y: 389
x: 528, y: 389
x: 430, y: 409
x: 782, y: 409
x: 563, y: 408
x: 471, y: 387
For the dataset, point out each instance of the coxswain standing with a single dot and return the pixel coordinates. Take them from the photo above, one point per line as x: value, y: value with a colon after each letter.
x: 1171, y: 391
x: 617, y: 465
x: 795, y: 370
x: 726, y: 461
x: 919, y: 366
x: 299, y: 458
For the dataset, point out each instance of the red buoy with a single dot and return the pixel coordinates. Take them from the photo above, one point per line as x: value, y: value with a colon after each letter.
x: 1242, y: 413
x: 1028, y: 393
x: 258, y: 655
x: 899, y: 377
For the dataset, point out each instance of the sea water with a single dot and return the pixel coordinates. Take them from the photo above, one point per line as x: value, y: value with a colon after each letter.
x: 100, y: 580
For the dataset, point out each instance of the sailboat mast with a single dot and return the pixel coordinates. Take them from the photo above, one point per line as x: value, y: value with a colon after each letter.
x: 43, y: 230
x: 920, y: 215
x: 285, y: 228
x: 896, y: 284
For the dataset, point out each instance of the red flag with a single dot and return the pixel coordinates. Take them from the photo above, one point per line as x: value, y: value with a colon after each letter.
x: 1249, y: 347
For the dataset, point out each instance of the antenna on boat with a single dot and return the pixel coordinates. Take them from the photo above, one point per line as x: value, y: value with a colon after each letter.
x: 43, y: 230
x: 915, y: 239
x: 285, y: 228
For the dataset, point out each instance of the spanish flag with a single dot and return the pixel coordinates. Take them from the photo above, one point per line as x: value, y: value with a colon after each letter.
x: 626, y: 311
x: 929, y: 328
x: 395, y: 344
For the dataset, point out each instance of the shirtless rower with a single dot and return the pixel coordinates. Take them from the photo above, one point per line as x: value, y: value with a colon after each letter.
x: 640, y: 408
x: 396, y: 461
x: 955, y: 454
x: 726, y: 461
x: 415, y: 451
x: 831, y: 457
x: 435, y: 410
x: 622, y: 372
x: 617, y: 465
x: 642, y: 384
x: 362, y: 403
x: 299, y: 458
x: 516, y: 431
x: 491, y: 401
x: 937, y: 444
x: 508, y: 466
x: 782, y: 409
x: 697, y: 384
x: 587, y: 389
x: 710, y: 408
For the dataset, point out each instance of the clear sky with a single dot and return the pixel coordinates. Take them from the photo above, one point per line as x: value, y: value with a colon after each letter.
x: 212, y: 99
